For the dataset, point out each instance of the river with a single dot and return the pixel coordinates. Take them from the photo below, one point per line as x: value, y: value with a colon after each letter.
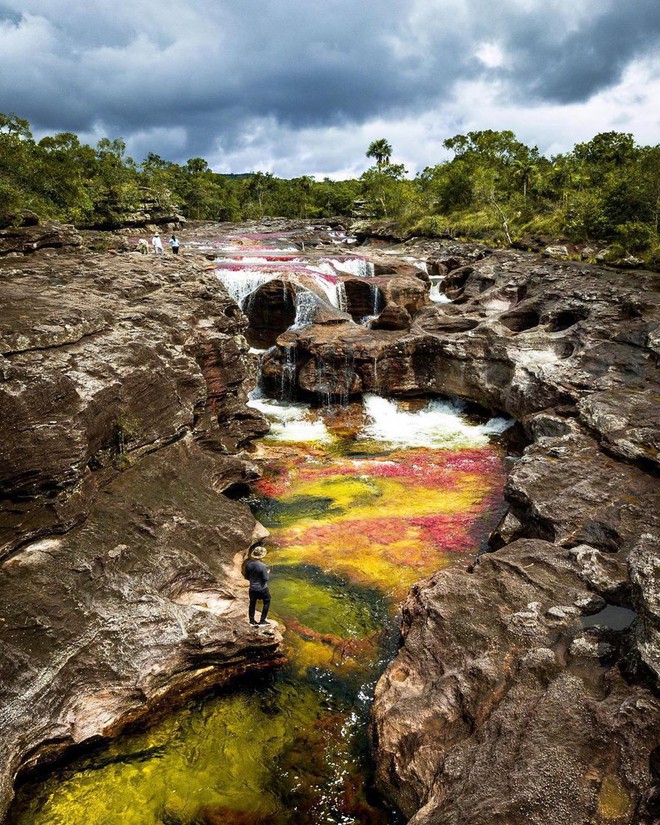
x: 361, y: 501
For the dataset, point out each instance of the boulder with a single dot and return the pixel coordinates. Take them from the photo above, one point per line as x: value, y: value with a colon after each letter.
x: 30, y: 236
x: 502, y: 708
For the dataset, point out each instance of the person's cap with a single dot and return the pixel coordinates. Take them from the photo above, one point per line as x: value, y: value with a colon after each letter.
x: 258, y: 552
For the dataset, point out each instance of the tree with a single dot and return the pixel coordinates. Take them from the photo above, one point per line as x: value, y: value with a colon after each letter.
x: 381, y: 151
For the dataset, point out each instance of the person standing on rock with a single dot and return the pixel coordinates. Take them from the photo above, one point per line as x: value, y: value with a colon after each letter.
x: 258, y: 574
x: 174, y: 243
x: 157, y: 244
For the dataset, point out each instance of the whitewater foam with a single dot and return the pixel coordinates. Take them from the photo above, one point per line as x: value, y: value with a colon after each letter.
x: 441, y: 424
x: 290, y: 421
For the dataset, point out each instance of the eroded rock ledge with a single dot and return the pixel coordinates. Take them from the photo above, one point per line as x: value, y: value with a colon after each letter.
x: 503, y: 706
x: 122, y: 397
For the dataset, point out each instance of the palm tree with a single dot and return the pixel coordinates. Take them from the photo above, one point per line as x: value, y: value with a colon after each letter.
x: 381, y: 150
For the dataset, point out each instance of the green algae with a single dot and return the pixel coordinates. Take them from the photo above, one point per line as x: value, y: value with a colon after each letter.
x: 324, y: 603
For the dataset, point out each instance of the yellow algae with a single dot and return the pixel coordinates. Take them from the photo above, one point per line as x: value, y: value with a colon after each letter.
x: 614, y: 801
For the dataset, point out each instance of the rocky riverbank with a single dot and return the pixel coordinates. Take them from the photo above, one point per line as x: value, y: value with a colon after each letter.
x: 526, y: 690
x: 124, y: 420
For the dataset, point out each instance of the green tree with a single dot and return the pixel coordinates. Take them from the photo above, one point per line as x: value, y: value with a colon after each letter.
x: 381, y: 151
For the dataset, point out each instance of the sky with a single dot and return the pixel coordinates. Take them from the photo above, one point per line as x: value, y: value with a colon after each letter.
x: 301, y: 87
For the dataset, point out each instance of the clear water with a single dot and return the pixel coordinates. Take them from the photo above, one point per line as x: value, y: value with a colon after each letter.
x: 357, y: 516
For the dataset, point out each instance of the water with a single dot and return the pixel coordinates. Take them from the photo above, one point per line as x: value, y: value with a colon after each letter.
x: 361, y: 502
x: 435, y: 294
x: 360, y: 505
x: 611, y: 616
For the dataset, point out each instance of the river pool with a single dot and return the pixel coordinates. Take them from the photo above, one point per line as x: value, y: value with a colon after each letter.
x: 361, y: 503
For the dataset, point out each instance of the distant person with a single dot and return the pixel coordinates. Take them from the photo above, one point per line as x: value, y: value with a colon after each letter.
x: 258, y: 574
x: 174, y: 243
x: 143, y: 246
x: 157, y: 244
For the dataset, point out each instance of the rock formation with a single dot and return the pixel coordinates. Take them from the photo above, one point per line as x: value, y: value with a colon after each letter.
x: 526, y: 688
x: 503, y: 705
x: 122, y: 396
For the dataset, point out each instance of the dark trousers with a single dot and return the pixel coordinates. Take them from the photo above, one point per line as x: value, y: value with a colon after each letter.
x: 259, y: 596
x: 175, y: 250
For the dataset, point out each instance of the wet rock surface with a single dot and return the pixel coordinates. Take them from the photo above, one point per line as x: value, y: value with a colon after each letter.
x: 501, y: 706
x: 123, y: 384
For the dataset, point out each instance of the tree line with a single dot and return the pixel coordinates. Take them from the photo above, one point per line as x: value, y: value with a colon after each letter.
x: 493, y: 187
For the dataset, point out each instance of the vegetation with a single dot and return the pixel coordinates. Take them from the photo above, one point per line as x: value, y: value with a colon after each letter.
x: 494, y: 188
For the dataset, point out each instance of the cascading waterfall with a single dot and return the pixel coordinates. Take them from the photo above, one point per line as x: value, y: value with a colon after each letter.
x: 358, y: 267
x: 434, y: 294
x: 342, y: 300
x: 288, y: 372
x: 242, y: 283
x: 306, y: 305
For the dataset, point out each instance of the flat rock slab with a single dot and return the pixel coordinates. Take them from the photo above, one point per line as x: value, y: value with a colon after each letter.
x: 141, y: 605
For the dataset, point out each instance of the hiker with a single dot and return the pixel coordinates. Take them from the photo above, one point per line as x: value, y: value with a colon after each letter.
x: 174, y: 243
x: 257, y: 572
x: 143, y: 246
x: 157, y: 244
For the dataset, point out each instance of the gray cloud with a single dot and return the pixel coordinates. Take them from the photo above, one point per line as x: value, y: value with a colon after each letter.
x: 220, y: 78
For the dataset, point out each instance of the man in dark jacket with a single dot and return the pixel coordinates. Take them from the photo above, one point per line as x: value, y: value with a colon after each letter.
x: 258, y: 574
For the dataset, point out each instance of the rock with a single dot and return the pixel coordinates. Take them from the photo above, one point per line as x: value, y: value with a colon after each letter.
x: 499, y: 705
x: 29, y: 236
x: 23, y: 218
x: 107, y: 360
x: 644, y: 569
x: 133, y: 611
x: 123, y: 385
x: 566, y: 490
x: 487, y: 714
x: 556, y: 251
x: 392, y: 317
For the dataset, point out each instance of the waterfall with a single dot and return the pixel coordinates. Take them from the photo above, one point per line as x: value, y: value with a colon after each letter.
x: 376, y: 306
x: 358, y: 267
x: 288, y: 372
x: 376, y: 299
x: 434, y: 294
x: 242, y: 282
x: 342, y: 300
x: 306, y: 305
x: 347, y: 375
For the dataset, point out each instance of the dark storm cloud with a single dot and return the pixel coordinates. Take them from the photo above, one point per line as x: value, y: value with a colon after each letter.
x: 194, y: 75
x: 560, y: 58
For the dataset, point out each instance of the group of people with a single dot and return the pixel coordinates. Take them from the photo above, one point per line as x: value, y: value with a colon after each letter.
x: 157, y: 245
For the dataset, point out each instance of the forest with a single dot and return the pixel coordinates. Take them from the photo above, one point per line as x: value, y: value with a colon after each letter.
x: 495, y: 188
